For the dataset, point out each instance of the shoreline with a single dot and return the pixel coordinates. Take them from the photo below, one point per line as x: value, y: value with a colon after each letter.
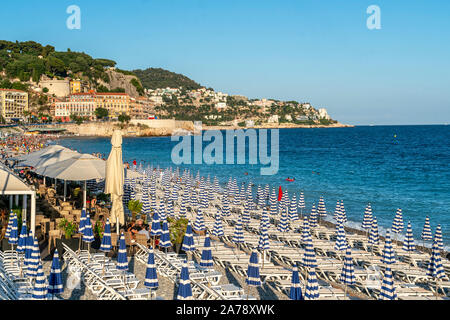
x: 280, y: 126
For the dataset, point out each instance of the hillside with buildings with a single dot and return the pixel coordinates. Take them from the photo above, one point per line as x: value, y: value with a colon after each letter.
x: 40, y: 84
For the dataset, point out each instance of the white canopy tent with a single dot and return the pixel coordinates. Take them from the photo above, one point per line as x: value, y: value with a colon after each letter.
x: 80, y: 168
x: 11, y: 185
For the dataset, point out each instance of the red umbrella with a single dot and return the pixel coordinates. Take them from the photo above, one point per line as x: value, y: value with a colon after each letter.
x: 280, y: 193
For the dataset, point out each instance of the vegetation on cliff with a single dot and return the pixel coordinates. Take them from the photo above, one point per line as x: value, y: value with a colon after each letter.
x: 154, y: 78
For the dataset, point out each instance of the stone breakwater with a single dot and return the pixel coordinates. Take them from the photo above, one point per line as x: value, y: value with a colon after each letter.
x: 136, y: 128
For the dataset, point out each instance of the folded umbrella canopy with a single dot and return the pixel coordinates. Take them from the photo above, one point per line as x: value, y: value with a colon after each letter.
x: 115, y: 179
x: 50, y: 158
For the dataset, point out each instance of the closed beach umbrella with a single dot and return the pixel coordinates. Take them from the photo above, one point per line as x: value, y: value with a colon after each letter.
x: 21, y: 244
x: 408, y: 243
x: 306, y: 232
x: 184, y: 287
x: 206, y: 259
x: 387, y: 291
x: 151, y: 277
x: 273, y: 209
x: 367, y: 220
x: 293, y: 214
x: 263, y: 243
x: 435, y: 268
x: 343, y: 213
x: 301, y: 203
x: 218, y: 227
x: 225, y: 207
x: 312, y: 286
x: 253, y: 278
x: 347, y: 276
x: 122, y: 259
x: 341, y: 240
x: 238, y: 235
x: 182, y: 211
x: 29, y: 245
x: 313, y: 217
x: 296, y: 291
x: 374, y: 237
x: 156, y: 226
x: 337, y: 211
x: 438, y: 237
x: 55, y: 284
x: 309, y: 256
x: 397, y: 224
x: 322, y: 210
x: 115, y: 179
x: 34, y: 260
x: 426, y: 232
x: 40, y: 285
x: 145, y: 199
x: 88, y: 234
x: 246, y: 213
x: 388, y: 254
x: 188, y: 240
x: 81, y: 225
x: 164, y: 240
x: 199, y: 223
x: 106, y: 244
x: 283, y: 225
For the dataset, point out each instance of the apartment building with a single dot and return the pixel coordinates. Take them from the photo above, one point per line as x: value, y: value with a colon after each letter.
x: 13, y: 103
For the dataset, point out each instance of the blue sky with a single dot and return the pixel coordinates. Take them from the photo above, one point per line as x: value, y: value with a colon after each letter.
x: 316, y: 51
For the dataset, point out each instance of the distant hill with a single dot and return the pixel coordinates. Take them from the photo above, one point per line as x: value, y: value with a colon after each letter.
x: 154, y: 78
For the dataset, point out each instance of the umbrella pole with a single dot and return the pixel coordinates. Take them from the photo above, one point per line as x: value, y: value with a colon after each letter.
x: 65, y: 190
x: 89, y: 252
x: 84, y: 193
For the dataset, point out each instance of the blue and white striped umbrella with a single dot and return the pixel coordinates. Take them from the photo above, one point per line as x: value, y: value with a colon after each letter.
x: 374, y: 237
x: 397, y: 224
x: 296, y: 291
x: 122, y: 259
x: 21, y: 245
x: 106, y: 244
x: 313, y: 217
x: 218, y: 227
x: 253, y: 278
x: 263, y: 243
x: 225, y: 207
x: 182, y: 211
x: 238, y: 234
x: 306, y: 232
x: 321, y: 209
x: 367, y: 220
x: 164, y: 240
x: 283, y: 225
x: 426, y: 232
x: 55, y: 284
x: 82, y: 221
x: 34, y: 260
x: 207, y: 259
x: 40, y: 289
x: 435, y: 268
x: 29, y: 245
x: 293, y: 214
x: 246, y: 213
x: 408, y: 243
x: 438, y: 237
x: 388, y: 254
x: 199, y: 223
x: 273, y: 209
x: 312, y: 286
x: 184, y: 287
x: 348, y: 270
x: 188, y: 240
x: 156, y: 226
x: 88, y: 234
x: 146, y: 208
x: 387, y: 291
x: 343, y: 215
x: 14, y: 233
x: 151, y: 277
x: 301, y: 203
x: 309, y: 256
x: 341, y: 239
x: 273, y: 198
x: 8, y: 227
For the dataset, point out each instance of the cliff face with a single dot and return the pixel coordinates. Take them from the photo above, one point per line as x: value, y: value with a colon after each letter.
x: 120, y: 80
x: 105, y: 129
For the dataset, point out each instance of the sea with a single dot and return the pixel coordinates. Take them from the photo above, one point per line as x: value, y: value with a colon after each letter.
x: 389, y: 167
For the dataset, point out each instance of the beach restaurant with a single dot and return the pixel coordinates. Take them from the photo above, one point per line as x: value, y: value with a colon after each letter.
x: 11, y: 185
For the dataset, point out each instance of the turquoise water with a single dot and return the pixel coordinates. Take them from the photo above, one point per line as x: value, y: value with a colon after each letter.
x: 389, y: 166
